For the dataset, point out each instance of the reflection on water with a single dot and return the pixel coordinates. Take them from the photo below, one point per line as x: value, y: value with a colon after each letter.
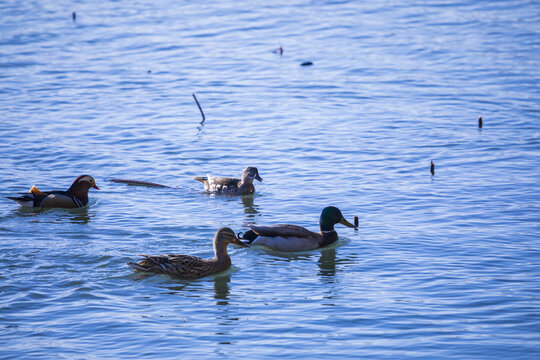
x: 249, y: 205
x: 75, y: 216
x: 79, y: 216
x: 250, y: 208
x: 221, y: 288
x: 327, y: 263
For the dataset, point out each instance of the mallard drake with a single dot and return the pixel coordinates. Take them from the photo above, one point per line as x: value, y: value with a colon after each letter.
x: 231, y: 186
x: 192, y: 267
x: 285, y: 237
x: 74, y: 197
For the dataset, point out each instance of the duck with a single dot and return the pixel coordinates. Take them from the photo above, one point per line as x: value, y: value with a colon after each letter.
x: 74, y: 197
x: 231, y: 186
x: 192, y: 267
x: 284, y: 237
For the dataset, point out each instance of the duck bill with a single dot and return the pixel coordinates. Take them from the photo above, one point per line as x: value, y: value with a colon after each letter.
x: 257, y: 177
x: 343, y: 221
x: 240, y: 243
x: 95, y: 187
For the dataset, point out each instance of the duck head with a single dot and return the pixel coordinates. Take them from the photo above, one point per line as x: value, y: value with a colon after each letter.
x: 330, y: 216
x: 251, y: 173
x: 226, y: 236
x: 82, y: 184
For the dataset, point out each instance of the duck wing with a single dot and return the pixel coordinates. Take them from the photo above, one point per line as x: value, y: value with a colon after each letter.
x: 283, y: 230
x: 222, y: 184
x: 185, y: 266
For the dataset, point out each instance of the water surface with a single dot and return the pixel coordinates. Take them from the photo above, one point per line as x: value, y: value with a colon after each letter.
x: 442, y: 266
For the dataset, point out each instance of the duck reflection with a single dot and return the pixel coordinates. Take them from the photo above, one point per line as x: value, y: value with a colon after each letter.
x: 221, y: 288
x: 250, y: 209
x: 80, y: 216
x: 75, y: 216
x: 327, y: 264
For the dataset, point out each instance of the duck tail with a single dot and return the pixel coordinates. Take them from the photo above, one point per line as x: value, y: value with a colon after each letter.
x: 25, y: 200
x: 248, y: 237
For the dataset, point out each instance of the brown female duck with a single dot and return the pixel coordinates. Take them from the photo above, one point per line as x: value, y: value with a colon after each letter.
x: 231, y: 186
x: 192, y: 267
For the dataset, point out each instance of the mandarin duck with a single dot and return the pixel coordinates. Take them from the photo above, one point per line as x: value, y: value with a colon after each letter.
x: 192, y: 267
x: 284, y: 237
x: 231, y: 186
x: 74, y: 197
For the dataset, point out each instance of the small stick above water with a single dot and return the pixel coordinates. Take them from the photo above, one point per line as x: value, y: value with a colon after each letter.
x: 432, y: 168
x: 356, y: 221
x: 480, y: 122
x: 203, y: 117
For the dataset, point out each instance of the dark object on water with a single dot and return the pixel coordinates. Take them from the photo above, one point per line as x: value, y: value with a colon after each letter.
x: 480, y: 122
x: 356, y: 221
x: 137, y: 182
x: 279, y: 50
x: 200, y: 109
x: 306, y: 63
x: 432, y: 168
x: 149, y: 72
x: 74, y: 16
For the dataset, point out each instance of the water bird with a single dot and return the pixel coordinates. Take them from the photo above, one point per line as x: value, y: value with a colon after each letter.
x: 231, y: 186
x: 192, y: 267
x: 284, y: 237
x: 74, y: 197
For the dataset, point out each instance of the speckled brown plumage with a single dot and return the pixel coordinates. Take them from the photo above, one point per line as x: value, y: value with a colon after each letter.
x: 231, y: 186
x: 188, y: 266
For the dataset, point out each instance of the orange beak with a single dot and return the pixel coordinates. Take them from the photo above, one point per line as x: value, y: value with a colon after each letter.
x: 95, y: 187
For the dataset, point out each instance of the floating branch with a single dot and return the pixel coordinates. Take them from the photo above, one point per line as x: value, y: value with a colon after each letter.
x: 432, y: 168
x: 141, y: 183
x: 197, y: 101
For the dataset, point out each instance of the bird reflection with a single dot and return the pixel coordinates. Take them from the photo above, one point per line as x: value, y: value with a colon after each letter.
x: 327, y: 264
x: 80, y: 216
x: 221, y: 288
x: 250, y: 209
x: 75, y: 216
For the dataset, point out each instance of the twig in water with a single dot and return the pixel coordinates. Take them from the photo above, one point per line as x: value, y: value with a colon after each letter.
x: 197, y: 101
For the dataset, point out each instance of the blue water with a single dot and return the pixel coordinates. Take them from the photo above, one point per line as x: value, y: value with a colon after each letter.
x: 442, y: 267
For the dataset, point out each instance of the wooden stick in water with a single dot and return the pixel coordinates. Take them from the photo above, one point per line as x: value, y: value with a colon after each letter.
x: 432, y: 168
x: 356, y: 221
x: 137, y: 182
x: 197, y: 101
